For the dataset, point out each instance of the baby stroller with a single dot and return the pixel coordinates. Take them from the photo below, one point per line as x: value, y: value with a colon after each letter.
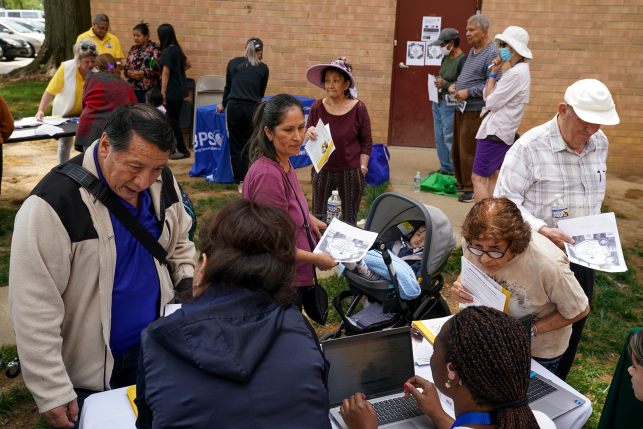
x: 387, y: 211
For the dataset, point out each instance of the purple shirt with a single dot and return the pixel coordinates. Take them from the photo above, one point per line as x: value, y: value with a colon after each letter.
x: 266, y: 183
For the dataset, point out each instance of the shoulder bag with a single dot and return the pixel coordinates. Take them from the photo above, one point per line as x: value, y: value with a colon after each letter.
x: 315, y: 299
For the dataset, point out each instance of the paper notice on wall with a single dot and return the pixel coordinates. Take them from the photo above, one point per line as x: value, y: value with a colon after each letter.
x: 319, y: 150
x: 431, y: 26
x: 415, y: 53
x: 433, y: 90
x: 433, y: 56
x: 596, y: 242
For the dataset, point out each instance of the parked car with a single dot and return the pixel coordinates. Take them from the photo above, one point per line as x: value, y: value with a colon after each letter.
x: 34, y: 26
x: 23, y: 14
x: 35, y: 39
x: 13, y: 46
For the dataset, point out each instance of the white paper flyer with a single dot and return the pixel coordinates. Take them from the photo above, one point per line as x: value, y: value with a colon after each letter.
x: 319, y: 150
x: 596, y: 242
x: 344, y: 242
x: 433, y: 90
x: 415, y: 53
x: 433, y: 55
x: 431, y: 26
x: 484, y: 290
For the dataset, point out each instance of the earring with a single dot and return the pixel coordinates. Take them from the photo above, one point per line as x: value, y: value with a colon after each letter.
x: 448, y: 384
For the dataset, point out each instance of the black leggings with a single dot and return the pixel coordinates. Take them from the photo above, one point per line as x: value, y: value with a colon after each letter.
x: 585, y: 277
x: 173, y: 113
x: 239, y: 117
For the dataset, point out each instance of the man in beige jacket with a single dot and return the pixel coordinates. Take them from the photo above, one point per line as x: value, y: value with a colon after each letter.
x: 81, y: 286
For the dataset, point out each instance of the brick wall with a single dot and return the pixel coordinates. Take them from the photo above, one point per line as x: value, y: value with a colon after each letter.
x: 570, y: 40
x: 296, y: 34
x: 583, y: 39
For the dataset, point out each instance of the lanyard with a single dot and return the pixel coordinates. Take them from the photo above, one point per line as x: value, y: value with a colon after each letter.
x: 519, y: 61
x: 473, y: 419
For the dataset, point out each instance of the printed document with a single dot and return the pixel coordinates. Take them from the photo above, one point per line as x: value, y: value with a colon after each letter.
x: 344, y: 242
x: 484, y: 290
x: 319, y: 150
x: 596, y: 242
x: 433, y: 90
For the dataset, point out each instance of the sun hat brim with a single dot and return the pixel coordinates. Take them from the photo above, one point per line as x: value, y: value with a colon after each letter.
x: 606, y: 117
x: 314, y: 75
x: 516, y: 45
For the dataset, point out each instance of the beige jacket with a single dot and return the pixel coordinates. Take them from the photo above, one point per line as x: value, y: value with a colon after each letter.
x: 60, y: 287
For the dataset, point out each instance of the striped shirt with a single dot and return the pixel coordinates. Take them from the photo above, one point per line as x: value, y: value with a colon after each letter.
x: 540, y: 165
x: 474, y: 76
x: 506, y: 104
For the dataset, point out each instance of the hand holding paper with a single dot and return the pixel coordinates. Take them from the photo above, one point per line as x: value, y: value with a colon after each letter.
x: 320, y: 149
x: 483, y: 289
x: 433, y: 90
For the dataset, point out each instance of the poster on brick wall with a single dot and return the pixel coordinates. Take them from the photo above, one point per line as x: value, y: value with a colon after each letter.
x: 431, y: 28
x: 415, y: 53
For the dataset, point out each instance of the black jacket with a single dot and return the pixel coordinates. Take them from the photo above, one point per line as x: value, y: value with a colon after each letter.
x: 248, y: 85
x: 232, y: 361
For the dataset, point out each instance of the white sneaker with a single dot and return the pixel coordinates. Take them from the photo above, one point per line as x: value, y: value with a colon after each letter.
x: 240, y: 187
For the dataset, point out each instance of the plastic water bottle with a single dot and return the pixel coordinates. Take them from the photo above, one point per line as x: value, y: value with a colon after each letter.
x: 416, y: 182
x: 559, y: 210
x: 334, y: 207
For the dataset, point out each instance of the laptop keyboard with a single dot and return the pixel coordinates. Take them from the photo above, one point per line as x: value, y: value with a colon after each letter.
x: 538, y: 389
x: 396, y: 409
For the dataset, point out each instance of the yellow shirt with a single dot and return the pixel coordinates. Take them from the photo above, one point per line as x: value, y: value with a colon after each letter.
x: 109, y: 44
x: 58, y: 81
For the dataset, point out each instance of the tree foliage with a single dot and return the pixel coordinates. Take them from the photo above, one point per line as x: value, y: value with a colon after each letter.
x: 21, y: 4
x: 66, y: 19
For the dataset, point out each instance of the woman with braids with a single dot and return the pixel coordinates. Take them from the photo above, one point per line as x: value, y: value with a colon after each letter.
x: 481, y: 360
x: 636, y: 370
x: 278, y: 134
x: 497, y: 240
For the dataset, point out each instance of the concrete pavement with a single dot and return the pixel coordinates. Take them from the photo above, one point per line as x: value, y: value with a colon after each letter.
x: 7, y: 66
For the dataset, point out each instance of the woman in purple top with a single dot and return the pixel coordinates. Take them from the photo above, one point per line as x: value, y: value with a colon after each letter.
x: 271, y: 179
x: 350, y: 127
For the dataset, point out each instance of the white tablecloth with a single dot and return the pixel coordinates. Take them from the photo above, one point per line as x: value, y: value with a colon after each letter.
x: 112, y: 409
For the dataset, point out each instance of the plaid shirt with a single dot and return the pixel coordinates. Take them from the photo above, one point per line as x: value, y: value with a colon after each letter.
x: 540, y: 165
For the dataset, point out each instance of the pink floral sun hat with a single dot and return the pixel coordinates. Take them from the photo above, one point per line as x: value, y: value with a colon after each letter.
x: 314, y: 74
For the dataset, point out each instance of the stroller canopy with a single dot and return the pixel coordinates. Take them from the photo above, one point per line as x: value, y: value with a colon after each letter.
x: 392, y: 208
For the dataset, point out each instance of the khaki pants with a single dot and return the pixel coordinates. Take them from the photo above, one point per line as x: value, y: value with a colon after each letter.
x: 465, y: 128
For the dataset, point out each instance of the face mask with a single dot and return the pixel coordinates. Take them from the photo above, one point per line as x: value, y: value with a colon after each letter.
x: 445, y: 51
x: 505, y: 55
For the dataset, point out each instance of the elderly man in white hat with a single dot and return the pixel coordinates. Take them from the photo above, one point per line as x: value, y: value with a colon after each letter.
x: 565, y: 157
x: 505, y: 104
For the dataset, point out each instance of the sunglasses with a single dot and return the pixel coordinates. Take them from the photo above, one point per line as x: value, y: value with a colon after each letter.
x: 493, y: 254
x: 503, y: 45
x: 88, y: 48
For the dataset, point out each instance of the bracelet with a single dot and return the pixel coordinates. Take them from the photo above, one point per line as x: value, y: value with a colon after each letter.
x: 534, y: 330
x: 364, y: 167
x: 493, y: 76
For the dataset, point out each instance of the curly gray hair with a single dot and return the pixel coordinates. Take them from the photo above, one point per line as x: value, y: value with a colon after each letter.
x: 85, y: 48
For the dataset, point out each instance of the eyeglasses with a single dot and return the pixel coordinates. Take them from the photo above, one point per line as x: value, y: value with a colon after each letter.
x: 493, y: 254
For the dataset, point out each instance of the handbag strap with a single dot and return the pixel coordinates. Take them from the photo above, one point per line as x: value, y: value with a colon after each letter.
x: 237, y: 68
x: 306, y: 226
x: 106, y: 196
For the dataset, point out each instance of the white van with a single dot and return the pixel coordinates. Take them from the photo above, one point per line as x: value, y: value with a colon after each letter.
x: 23, y: 14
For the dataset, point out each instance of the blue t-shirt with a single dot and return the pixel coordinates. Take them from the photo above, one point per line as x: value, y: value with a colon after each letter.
x: 136, y: 284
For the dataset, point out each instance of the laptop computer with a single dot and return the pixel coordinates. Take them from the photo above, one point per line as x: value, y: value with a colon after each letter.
x: 377, y: 365
x: 550, y: 398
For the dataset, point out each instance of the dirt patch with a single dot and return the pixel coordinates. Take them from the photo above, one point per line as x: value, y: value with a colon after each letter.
x: 634, y: 194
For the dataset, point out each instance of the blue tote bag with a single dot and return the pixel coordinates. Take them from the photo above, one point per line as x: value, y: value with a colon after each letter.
x: 378, y: 171
x: 211, y: 147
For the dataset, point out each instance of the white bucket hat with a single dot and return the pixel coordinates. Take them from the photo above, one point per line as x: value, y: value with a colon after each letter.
x: 592, y: 102
x: 517, y: 38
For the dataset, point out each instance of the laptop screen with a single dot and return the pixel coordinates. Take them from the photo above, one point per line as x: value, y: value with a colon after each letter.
x: 376, y: 364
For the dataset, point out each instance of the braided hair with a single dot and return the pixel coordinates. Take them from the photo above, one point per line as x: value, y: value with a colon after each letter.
x: 491, y: 353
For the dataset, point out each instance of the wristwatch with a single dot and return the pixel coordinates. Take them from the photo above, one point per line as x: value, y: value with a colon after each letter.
x: 534, y: 330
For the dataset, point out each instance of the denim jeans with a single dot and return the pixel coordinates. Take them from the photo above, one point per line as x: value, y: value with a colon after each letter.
x: 549, y: 364
x: 443, y: 127
x: 123, y: 375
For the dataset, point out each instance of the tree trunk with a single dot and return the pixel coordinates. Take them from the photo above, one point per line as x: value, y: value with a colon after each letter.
x: 66, y: 19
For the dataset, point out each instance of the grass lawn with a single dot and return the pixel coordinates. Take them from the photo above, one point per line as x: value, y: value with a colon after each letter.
x: 23, y: 98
